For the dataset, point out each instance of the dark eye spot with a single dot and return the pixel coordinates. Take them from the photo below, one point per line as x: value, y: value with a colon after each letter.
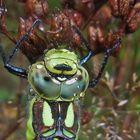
x: 63, y: 67
x: 47, y: 78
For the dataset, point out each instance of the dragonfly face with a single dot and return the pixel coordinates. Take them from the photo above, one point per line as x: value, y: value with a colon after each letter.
x: 60, y: 81
x: 59, y: 76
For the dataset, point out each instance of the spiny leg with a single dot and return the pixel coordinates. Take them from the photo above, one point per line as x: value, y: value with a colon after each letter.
x: 84, y: 41
x: 108, y: 52
x: 86, y: 44
x: 12, y: 69
x: 23, y: 38
x: 91, y: 54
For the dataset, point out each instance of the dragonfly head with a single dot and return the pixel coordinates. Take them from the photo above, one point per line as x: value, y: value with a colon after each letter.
x: 59, y: 76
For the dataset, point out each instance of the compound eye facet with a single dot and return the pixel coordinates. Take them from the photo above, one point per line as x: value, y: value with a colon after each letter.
x: 42, y: 82
x: 76, y: 86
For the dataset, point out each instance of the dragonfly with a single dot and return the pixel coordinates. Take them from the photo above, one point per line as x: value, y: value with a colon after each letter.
x: 58, y: 81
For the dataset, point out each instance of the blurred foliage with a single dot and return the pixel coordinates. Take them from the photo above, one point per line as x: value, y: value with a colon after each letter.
x: 114, y: 110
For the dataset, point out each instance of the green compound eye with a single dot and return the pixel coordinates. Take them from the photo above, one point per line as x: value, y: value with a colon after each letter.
x: 50, y: 88
x: 75, y: 87
x: 42, y: 83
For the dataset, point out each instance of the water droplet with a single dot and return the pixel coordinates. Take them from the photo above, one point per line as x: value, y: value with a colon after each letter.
x: 74, y: 94
x: 78, y: 87
x: 39, y: 66
x: 31, y: 90
x: 82, y: 94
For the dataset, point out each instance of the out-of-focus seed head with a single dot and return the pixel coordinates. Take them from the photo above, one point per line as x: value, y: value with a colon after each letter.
x: 111, y: 40
x: 61, y: 30
x: 59, y: 20
x: 22, y: 0
x: 22, y: 27
x: 76, y: 39
x: 120, y: 8
x: 60, y: 27
x: 38, y: 8
x: 133, y: 21
x: 86, y: 118
x: 103, y: 16
x: 85, y: 7
x: 3, y: 9
x: 92, y: 36
x: 68, y: 3
x: 96, y: 37
x: 75, y: 17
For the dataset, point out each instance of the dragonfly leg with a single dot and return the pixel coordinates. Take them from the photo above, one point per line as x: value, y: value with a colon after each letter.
x: 12, y: 69
x: 108, y: 52
x: 86, y: 44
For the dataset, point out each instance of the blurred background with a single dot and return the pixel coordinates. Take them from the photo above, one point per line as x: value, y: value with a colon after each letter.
x: 111, y: 110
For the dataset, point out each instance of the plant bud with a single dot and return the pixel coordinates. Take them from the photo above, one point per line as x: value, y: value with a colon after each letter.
x: 37, y: 7
x: 74, y: 16
x: 120, y: 8
x: 96, y: 37
x: 133, y: 21
x: 110, y: 41
x: 103, y: 16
